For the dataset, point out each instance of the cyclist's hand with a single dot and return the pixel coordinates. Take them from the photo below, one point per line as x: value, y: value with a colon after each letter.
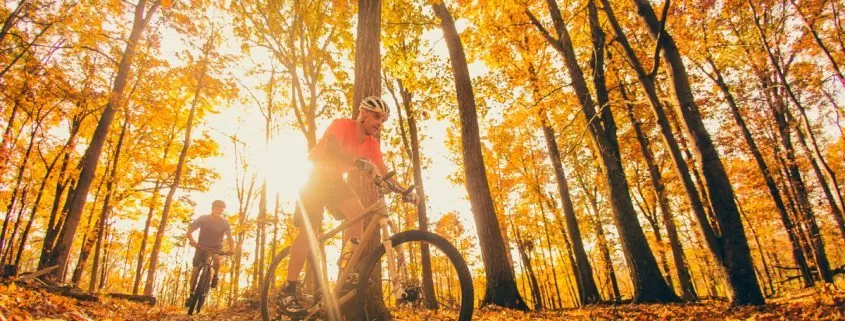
x: 365, y: 165
x: 411, y: 198
x: 193, y: 243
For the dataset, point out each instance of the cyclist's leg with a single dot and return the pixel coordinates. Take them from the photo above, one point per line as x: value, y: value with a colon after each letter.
x: 301, y: 245
x: 216, y: 264
x: 351, y: 208
x: 199, y: 256
x: 345, y: 204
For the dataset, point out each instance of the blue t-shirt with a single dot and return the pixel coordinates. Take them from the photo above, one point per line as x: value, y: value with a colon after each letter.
x: 211, y: 231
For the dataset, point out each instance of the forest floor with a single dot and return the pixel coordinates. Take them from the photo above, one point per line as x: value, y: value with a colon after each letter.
x: 17, y: 303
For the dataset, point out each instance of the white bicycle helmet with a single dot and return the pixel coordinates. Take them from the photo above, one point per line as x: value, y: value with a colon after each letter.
x: 375, y: 104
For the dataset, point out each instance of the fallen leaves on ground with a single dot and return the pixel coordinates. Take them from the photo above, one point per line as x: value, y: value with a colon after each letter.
x: 19, y: 303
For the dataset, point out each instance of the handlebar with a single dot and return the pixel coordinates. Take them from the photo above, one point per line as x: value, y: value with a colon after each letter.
x: 385, y: 186
x: 214, y: 251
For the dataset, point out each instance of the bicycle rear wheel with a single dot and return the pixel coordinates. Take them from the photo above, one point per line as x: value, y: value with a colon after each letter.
x: 270, y: 289
x: 450, y: 296
x: 201, y: 290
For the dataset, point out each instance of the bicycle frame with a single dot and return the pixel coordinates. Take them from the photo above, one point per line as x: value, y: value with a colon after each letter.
x: 385, y: 225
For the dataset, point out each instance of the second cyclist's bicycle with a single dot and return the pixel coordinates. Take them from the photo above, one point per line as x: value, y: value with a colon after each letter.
x: 399, y: 258
x: 205, y: 273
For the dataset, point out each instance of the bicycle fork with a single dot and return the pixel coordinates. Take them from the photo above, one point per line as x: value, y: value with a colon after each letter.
x: 395, y: 269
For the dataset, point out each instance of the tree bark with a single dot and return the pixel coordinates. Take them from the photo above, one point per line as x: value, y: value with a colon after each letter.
x: 367, y: 83
x: 142, y: 251
x: 177, y: 176
x: 529, y: 269
x: 682, y: 272
x: 735, y: 253
x: 107, y: 206
x: 60, y: 253
x: 18, y: 181
x: 501, y: 282
x: 422, y: 216
x: 648, y: 283
x: 587, y: 289
x: 62, y: 184
x: 797, y: 253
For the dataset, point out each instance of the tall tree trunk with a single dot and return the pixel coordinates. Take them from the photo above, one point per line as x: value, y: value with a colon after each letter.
x: 501, y: 285
x: 107, y: 206
x: 682, y: 272
x: 735, y: 255
x: 142, y: 251
x: 25, y: 234
x: 759, y: 249
x: 18, y: 181
x: 823, y: 172
x: 7, y: 134
x: 422, y: 216
x: 587, y: 289
x: 809, y: 24
x: 87, y: 239
x: 529, y: 269
x: 797, y: 253
x: 648, y: 283
x: 60, y: 253
x: 177, y: 176
x: 681, y: 167
x: 549, y: 241
x: 62, y: 184
x: 367, y: 83
x: 802, y: 198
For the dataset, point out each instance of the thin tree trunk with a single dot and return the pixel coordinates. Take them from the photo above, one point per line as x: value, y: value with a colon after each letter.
x: 759, y: 248
x: 809, y: 24
x: 649, y: 285
x: 18, y: 181
x: 587, y: 289
x: 422, y: 216
x: 501, y: 286
x: 177, y: 176
x: 802, y: 199
x: 7, y: 133
x: 62, y: 183
x: 797, y: 253
x: 60, y: 253
x: 735, y: 255
x: 104, y: 216
x: 87, y: 239
x: 529, y: 269
x: 682, y: 272
x: 34, y: 210
x: 142, y: 251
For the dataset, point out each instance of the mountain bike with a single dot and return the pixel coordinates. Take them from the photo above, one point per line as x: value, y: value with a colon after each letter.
x: 449, y: 296
x: 205, y: 273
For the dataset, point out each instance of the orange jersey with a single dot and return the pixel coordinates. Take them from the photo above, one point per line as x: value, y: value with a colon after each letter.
x: 344, y: 130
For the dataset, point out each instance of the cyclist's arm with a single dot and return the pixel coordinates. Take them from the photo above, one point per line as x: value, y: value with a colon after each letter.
x: 382, y: 170
x: 335, y: 150
x: 191, y: 230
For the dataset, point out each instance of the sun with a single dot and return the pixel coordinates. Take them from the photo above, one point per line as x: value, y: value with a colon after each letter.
x: 284, y: 163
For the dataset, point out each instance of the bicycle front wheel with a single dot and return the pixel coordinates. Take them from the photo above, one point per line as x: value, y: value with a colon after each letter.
x: 444, y: 293
x: 201, y: 290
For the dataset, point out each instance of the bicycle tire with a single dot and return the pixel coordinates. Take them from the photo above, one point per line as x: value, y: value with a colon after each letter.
x: 269, y: 278
x: 201, y: 291
x: 454, y: 257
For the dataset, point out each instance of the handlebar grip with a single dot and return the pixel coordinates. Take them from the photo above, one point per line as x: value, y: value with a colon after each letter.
x: 388, y: 175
